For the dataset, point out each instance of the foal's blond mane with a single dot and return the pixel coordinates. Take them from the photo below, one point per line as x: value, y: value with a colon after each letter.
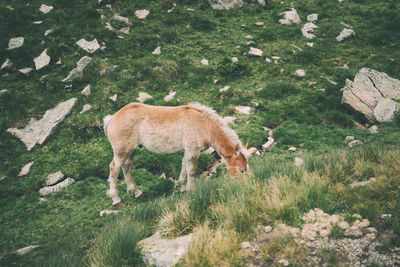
x: 210, y: 113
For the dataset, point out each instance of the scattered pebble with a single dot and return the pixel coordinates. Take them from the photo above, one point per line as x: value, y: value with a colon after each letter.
x: 204, y: 62
x: 292, y: 148
x: 243, y: 110
x: 248, y: 36
x: 170, y: 96
x: 355, y: 143
x: 25, y: 70
x: 89, y: 47
x: 42, y: 61
x: 15, y: 42
x: 85, y: 108
x: 108, y: 212
x: 142, y: 14
x: 45, y: 9
x: 312, y: 17
x: 122, y: 19
x: 307, y: 30
x: 157, y: 51
x: 373, y: 129
x: 235, y: 59
x: 229, y: 119
x: 113, y: 98
x: 224, y: 89
x: 25, y: 170
x: 86, y: 91
x: 290, y: 17
x: 6, y: 64
x: 300, y: 73
x: 38, y: 22
x: 268, y: 145
x: 310, y: 44
x: 259, y: 23
x: 23, y: 251
x: 255, y: 52
x: 143, y: 96
x: 349, y: 138
x: 362, y: 183
x: 345, y: 34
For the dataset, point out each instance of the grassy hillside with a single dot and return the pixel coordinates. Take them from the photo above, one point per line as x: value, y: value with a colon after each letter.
x: 68, y: 227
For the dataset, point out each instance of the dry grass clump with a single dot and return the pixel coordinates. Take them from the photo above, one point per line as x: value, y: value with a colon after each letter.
x: 177, y: 222
x: 210, y: 247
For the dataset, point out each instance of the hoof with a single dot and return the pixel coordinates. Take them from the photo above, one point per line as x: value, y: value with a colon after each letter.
x: 138, y: 193
x: 116, y: 200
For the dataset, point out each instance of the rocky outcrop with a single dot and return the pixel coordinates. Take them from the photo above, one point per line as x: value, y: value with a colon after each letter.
x: 37, y: 131
x: 374, y: 94
x: 161, y: 252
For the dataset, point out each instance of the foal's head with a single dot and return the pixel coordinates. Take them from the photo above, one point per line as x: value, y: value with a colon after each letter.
x: 237, y: 163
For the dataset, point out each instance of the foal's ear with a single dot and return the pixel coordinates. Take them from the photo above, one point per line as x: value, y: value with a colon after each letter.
x: 237, y: 150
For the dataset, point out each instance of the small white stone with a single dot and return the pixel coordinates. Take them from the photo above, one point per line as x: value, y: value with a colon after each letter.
x: 86, y: 91
x: 25, y: 70
x: 292, y: 148
x: 290, y: 17
x: 255, y: 52
x: 42, y: 61
x: 169, y: 96
x: 51, y: 189
x: 108, y: 212
x: 229, y: 119
x: 143, y: 96
x: 42, y: 199
x: 113, y: 98
x: 268, y: 60
x: 245, y: 245
x: 142, y: 14
x: 89, y: 47
x: 109, y: 27
x: 312, y: 17
x: 307, y: 30
x: 355, y: 143
x: 6, y: 64
x: 243, y: 110
x: 124, y: 30
x: 45, y: 9
x: 123, y: 19
x: 15, y: 42
x: 157, y: 51
x: 25, y: 170
x: 223, y: 89
x: 189, y: 9
x: 47, y: 32
x: 204, y: 62
x: 38, y: 22
x: 215, y: 81
x: 345, y: 34
x: 310, y: 44
x: 300, y: 73
x: 23, y: 251
x: 276, y: 57
x: 349, y: 138
x: 85, y: 108
x: 248, y: 37
x: 235, y: 59
x: 259, y: 23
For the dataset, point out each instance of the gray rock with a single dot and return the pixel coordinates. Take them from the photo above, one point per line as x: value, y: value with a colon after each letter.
x: 386, y: 110
x: 170, y: 96
x: 292, y: 148
x: 86, y: 91
x: 226, y: 4
x: 243, y: 110
x: 312, y: 17
x: 37, y: 131
x: 78, y: 71
x: 300, y: 73
x: 25, y: 70
x: 123, y: 19
x: 355, y: 143
x: 42, y: 61
x: 373, y: 129
x: 157, y: 51
x: 229, y: 119
x: 23, y: 251
x: 89, y: 47
x: 345, y: 34
x: 25, y: 170
x: 53, y: 178
x: 15, y: 42
x: 45, y: 9
x: 269, y: 144
x: 307, y: 29
x: 143, y: 96
x: 290, y: 17
x: 6, y: 64
x: 108, y: 212
x: 162, y: 252
x: 85, y: 108
x: 113, y: 98
x: 349, y: 138
x: 142, y: 14
x: 47, y: 32
x: 55, y: 188
x: 255, y: 52
x: 368, y: 88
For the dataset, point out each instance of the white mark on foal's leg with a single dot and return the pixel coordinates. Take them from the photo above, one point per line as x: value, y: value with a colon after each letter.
x: 115, y: 168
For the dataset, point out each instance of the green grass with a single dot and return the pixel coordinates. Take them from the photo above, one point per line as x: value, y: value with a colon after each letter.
x: 68, y: 227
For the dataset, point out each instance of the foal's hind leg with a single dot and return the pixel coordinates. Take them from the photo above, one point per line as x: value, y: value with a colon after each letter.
x: 191, y: 164
x: 182, y: 176
x: 130, y: 183
x: 115, y: 169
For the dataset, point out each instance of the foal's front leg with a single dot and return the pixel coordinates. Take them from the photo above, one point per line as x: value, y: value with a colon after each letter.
x: 130, y: 183
x: 182, y: 176
x: 191, y: 164
x: 115, y: 168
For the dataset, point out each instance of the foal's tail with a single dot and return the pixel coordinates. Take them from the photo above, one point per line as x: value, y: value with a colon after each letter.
x: 106, y: 121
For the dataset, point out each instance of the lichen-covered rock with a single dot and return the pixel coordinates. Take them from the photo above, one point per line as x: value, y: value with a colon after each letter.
x: 386, y: 110
x: 290, y: 17
x: 55, y: 188
x: 162, y: 252
x: 37, y: 131
x: 366, y: 91
x: 345, y: 34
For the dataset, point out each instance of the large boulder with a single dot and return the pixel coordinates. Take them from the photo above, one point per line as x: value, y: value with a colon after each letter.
x: 37, y: 131
x: 374, y: 94
x: 161, y: 252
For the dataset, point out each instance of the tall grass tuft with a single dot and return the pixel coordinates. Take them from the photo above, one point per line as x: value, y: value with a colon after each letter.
x: 117, y: 244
